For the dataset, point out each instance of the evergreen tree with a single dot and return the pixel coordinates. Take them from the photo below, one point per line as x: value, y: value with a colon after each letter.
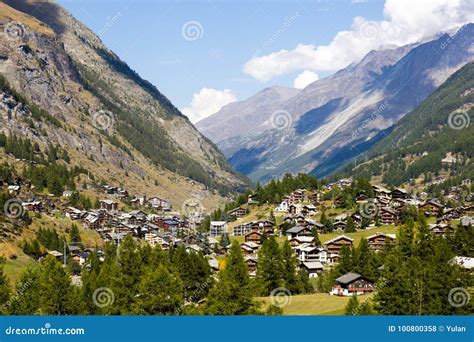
x: 289, y: 263
x: 55, y: 289
x: 316, y: 240
x: 350, y: 225
x: 270, y: 266
x: 160, y: 293
x: 74, y: 235
x: 352, y: 307
x: 5, y: 288
x: 26, y: 299
x: 232, y: 295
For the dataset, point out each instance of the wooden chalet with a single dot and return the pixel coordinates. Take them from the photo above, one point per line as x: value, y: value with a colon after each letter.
x: 388, y: 215
x: 251, y: 264
x: 253, y: 236
x: 352, y: 284
x: 377, y: 241
x: 399, y: 193
x: 431, y: 208
x: 334, y: 246
x: 35, y: 206
x: 298, y: 231
x: 249, y: 247
x: 237, y: 212
x: 313, y: 268
x: 441, y: 229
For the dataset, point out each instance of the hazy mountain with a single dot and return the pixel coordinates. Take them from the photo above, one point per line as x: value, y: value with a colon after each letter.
x: 245, y: 117
x: 96, y: 108
x: 338, y: 117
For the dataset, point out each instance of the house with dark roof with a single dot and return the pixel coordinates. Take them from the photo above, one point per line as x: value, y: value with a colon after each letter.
x: 351, y: 284
x: 297, y: 231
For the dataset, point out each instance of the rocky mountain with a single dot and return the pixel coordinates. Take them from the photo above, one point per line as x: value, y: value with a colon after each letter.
x: 436, y: 139
x: 76, y: 94
x: 341, y: 116
x: 245, y: 117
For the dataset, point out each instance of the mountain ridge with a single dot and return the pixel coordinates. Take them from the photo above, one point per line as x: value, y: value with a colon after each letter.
x: 61, y: 66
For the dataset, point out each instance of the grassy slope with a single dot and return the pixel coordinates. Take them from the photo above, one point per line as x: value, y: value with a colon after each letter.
x: 14, y: 267
x: 315, y: 304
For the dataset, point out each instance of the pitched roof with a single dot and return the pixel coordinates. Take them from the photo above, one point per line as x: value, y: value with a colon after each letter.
x: 296, y: 229
x: 348, y: 278
x: 338, y: 238
x: 313, y: 265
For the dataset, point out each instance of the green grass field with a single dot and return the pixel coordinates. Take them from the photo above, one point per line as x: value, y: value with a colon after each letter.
x: 14, y: 267
x: 357, y: 236
x: 315, y: 304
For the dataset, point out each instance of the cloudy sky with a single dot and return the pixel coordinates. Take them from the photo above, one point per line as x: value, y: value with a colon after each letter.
x: 205, y: 54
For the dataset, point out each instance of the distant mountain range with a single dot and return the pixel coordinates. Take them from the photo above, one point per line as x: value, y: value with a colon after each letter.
x: 319, y: 128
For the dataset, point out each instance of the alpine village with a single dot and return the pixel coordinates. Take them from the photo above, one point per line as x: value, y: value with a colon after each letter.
x: 114, y: 204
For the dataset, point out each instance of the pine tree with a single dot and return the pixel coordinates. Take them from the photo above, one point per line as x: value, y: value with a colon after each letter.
x: 26, y: 299
x: 5, y: 288
x: 270, y: 266
x: 232, y: 295
x: 350, y: 225
x: 55, y: 288
x: 160, y: 292
x: 289, y: 263
x: 316, y: 240
x: 352, y: 307
x: 74, y: 235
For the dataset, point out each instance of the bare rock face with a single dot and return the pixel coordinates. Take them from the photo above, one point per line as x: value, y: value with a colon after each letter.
x: 97, y: 107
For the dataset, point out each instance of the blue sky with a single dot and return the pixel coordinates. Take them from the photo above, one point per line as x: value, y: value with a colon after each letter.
x: 148, y: 35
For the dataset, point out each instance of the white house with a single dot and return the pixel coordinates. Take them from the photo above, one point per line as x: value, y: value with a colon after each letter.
x: 218, y: 228
x: 283, y: 206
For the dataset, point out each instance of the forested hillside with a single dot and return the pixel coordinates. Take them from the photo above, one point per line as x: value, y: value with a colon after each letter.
x: 436, y: 137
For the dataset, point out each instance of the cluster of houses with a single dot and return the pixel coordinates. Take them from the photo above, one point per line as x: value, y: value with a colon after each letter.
x: 165, y: 228
x: 300, y: 207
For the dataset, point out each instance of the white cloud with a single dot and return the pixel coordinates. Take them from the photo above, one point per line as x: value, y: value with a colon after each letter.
x: 406, y: 21
x: 305, y: 78
x: 207, y: 102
